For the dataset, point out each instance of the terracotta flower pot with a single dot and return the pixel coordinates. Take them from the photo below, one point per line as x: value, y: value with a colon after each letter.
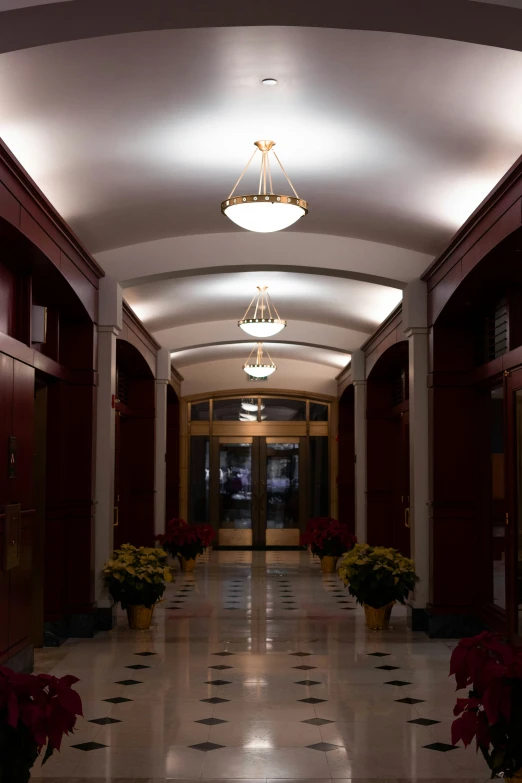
x: 329, y: 564
x: 187, y: 565
x: 378, y: 619
x: 140, y: 617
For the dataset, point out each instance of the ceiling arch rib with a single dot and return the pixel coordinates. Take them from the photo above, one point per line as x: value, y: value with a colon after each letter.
x: 316, y: 355
x: 349, y: 304
x: 216, y: 253
x: 491, y: 23
x: 298, y: 332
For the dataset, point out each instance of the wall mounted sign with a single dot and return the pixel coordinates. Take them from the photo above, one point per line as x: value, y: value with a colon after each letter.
x: 11, y: 460
x: 11, y: 537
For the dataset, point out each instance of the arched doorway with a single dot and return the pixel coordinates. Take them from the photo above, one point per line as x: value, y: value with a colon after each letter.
x: 47, y: 391
x: 388, y: 451
x: 134, y: 481
x: 346, y: 449
x: 476, y: 413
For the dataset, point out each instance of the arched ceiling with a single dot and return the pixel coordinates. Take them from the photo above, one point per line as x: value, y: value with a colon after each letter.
x: 38, y: 22
x: 392, y: 121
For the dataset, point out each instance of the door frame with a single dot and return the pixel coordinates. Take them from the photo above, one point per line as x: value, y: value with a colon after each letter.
x: 259, y: 480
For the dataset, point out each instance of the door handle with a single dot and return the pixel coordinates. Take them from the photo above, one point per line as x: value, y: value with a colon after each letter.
x: 116, y: 516
x: 406, y: 517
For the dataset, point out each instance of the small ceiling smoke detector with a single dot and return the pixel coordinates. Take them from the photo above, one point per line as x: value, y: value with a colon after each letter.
x: 269, y: 82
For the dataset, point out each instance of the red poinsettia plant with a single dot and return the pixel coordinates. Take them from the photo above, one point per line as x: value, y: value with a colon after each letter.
x: 492, y: 713
x: 327, y: 537
x: 35, y: 712
x: 185, y: 540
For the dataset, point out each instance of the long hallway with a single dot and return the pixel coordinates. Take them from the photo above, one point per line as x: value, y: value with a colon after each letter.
x: 259, y: 668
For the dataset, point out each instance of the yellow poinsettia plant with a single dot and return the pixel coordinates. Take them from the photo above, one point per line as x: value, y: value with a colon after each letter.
x: 137, y: 575
x: 377, y: 575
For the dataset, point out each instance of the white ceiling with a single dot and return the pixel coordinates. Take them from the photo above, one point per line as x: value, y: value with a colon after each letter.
x: 136, y: 138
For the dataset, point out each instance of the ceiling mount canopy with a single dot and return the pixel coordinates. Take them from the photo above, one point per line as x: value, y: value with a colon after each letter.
x: 257, y: 366
x: 261, y: 318
x: 265, y: 211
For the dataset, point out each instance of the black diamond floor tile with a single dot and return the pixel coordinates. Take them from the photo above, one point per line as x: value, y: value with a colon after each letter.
x: 217, y: 682
x: 137, y: 666
x: 324, y: 746
x: 205, y: 747
x: 211, y: 721
x: 397, y: 683
x: 288, y: 602
x: 308, y: 682
x: 424, y: 722
x: 312, y: 700
x: 144, y: 654
x: 388, y: 668
x: 89, y: 746
x: 223, y: 654
x: 440, y: 746
x: 304, y: 668
x: 409, y: 701
x: 220, y: 667
x: 104, y: 721
x: 214, y: 700
x: 117, y: 700
x: 348, y: 608
x: 301, y: 654
x: 290, y: 608
x: 128, y: 682
x: 379, y: 655
x: 317, y: 721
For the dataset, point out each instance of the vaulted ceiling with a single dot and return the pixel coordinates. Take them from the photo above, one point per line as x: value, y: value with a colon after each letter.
x: 137, y: 130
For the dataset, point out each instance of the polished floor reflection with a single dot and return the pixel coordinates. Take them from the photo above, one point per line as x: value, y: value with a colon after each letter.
x: 259, y: 668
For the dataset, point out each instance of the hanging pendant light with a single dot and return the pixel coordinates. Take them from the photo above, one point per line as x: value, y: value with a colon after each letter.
x: 259, y: 320
x: 258, y: 367
x: 265, y: 211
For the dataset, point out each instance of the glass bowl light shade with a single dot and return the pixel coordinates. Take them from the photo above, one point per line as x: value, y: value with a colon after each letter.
x: 259, y: 370
x: 262, y: 327
x: 264, y: 214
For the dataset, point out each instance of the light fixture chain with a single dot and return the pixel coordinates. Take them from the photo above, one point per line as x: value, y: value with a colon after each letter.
x: 249, y: 306
x: 242, y: 173
x: 286, y: 175
x: 270, y: 175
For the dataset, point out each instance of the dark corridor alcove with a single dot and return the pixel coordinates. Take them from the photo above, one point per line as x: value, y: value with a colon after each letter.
x: 172, y: 455
x: 388, y: 477
x: 346, y: 446
x: 134, y: 453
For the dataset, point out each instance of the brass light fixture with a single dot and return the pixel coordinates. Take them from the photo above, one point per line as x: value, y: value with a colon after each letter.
x: 265, y: 211
x: 257, y: 366
x: 261, y: 318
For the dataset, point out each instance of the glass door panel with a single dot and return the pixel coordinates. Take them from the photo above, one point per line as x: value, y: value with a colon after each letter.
x: 518, y: 532
x: 235, y: 486
x: 281, y: 502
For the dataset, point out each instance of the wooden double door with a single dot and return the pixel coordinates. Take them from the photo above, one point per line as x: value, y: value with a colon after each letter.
x: 257, y: 490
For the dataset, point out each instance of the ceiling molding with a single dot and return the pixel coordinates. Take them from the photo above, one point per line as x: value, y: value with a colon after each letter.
x: 250, y: 339
x: 274, y: 267
x: 457, y: 20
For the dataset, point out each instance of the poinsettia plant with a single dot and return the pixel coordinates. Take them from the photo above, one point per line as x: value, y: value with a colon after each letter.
x: 137, y: 575
x: 185, y: 540
x: 36, y: 711
x: 377, y: 575
x: 492, y: 713
x: 327, y: 537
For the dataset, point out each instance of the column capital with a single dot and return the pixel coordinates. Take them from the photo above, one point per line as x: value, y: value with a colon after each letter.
x: 115, y: 330
x: 413, y: 330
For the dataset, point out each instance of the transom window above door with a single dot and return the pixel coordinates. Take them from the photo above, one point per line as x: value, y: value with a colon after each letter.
x: 259, y: 409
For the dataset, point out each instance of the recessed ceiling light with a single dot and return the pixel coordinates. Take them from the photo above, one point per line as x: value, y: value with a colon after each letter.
x: 269, y: 82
